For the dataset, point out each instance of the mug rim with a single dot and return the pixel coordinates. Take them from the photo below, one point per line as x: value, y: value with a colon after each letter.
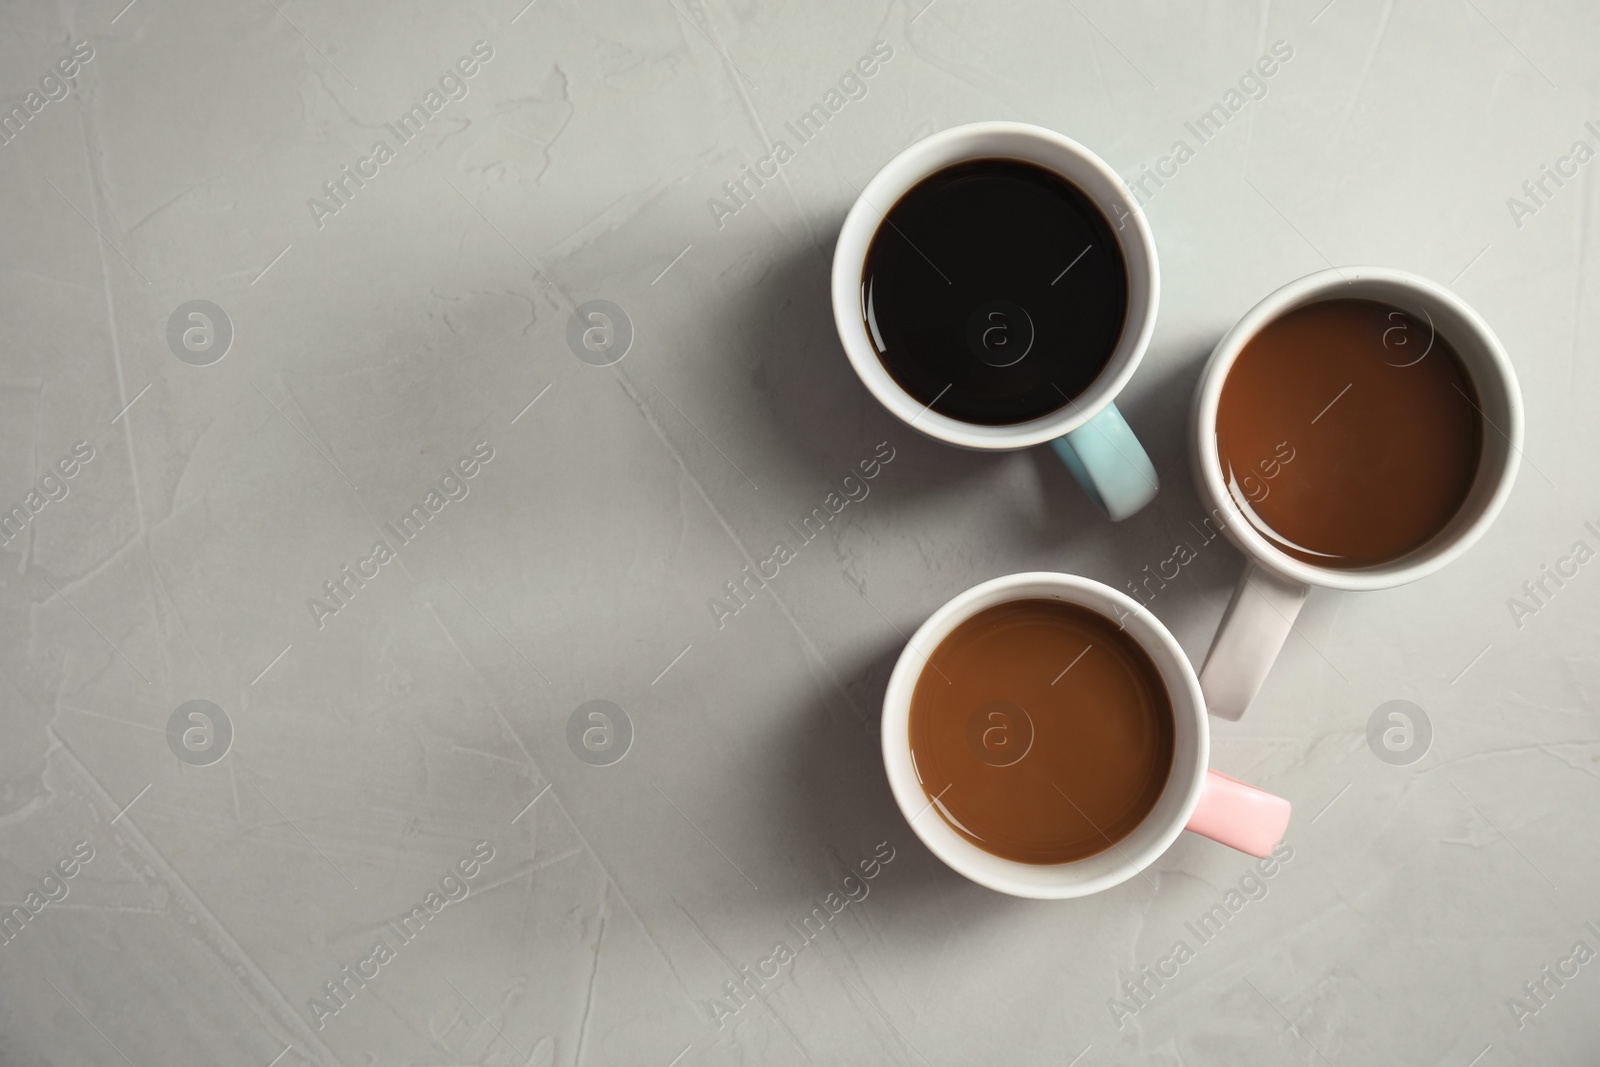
x: 1439, y: 550
x: 928, y: 156
x: 1111, y: 866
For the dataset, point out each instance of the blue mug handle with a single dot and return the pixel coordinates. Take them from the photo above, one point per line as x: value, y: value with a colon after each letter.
x: 1110, y: 464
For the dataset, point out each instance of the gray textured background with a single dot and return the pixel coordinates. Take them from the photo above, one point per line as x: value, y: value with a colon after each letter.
x: 371, y: 753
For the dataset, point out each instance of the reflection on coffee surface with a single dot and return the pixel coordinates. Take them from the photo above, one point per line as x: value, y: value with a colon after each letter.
x: 994, y: 292
x: 1348, y: 433
x: 1041, y: 731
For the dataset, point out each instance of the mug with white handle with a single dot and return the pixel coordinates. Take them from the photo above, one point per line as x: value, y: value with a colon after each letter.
x: 1275, y: 584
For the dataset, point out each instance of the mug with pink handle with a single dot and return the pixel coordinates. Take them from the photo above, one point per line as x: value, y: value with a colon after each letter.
x: 1195, y: 798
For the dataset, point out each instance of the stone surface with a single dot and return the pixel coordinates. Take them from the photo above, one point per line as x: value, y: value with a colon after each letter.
x: 375, y: 346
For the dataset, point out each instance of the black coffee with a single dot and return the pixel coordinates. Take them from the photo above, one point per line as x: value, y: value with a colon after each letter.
x: 994, y: 291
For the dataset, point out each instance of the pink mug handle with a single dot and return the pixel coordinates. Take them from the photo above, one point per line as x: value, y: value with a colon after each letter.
x: 1238, y: 815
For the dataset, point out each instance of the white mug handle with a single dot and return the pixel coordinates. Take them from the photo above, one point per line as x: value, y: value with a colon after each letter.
x: 1253, y: 630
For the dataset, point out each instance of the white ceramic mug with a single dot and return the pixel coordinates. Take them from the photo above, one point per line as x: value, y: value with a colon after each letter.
x: 1274, y: 584
x: 1194, y: 798
x: 1088, y: 433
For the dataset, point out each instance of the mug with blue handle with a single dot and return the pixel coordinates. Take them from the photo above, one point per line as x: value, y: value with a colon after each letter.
x: 1088, y: 432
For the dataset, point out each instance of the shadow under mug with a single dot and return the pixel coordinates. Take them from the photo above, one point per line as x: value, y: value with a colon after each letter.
x: 1089, y: 433
x: 1274, y: 584
x: 1194, y: 798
